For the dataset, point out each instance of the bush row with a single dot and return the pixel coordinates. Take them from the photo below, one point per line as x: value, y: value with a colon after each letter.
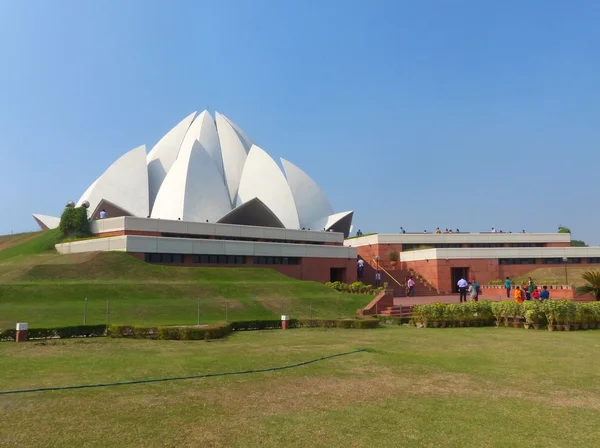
x: 75, y: 331
x: 454, y: 314
x: 368, y: 322
x: 356, y: 287
x: 551, y: 313
x: 216, y: 331
x: 393, y: 320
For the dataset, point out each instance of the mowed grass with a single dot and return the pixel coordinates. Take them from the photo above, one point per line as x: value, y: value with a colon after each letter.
x: 43, y: 288
x: 556, y: 274
x: 463, y: 387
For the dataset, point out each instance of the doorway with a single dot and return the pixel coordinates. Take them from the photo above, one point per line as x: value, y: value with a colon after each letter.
x: 337, y: 274
x: 457, y: 274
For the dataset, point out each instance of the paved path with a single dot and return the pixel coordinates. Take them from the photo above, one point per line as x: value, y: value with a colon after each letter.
x: 454, y: 298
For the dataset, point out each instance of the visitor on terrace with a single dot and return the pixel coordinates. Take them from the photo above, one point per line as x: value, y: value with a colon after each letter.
x: 411, y: 287
x: 103, y: 214
x: 438, y: 231
x: 360, y: 266
x: 518, y: 294
x: 474, y: 291
x: 545, y: 294
x: 462, y: 289
x: 507, y: 284
x: 402, y: 231
x: 530, y: 287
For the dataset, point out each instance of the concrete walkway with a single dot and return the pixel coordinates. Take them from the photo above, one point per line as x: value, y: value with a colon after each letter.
x: 453, y: 298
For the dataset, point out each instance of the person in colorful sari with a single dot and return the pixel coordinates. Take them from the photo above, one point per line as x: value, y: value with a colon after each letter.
x: 518, y: 294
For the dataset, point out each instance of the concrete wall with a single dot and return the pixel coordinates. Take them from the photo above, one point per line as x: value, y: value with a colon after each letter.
x: 460, y: 238
x: 313, y: 269
x: 131, y: 224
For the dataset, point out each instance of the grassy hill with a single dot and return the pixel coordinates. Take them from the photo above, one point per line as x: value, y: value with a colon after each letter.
x: 555, y: 275
x: 43, y: 288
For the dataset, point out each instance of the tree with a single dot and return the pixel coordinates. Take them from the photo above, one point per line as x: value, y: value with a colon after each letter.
x: 574, y: 243
x: 563, y: 229
x: 592, y: 285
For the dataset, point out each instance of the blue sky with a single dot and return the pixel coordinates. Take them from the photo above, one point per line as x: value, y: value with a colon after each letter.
x: 462, y: 114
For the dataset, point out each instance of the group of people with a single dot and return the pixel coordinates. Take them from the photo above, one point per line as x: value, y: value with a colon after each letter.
x: 468, y: 288
x: 438, y: 231
x: 528, y: 291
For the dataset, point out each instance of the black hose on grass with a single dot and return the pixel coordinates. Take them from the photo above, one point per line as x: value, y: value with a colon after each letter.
x: 178, y: 378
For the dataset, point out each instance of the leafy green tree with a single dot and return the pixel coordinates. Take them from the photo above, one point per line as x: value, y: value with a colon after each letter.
x: 592, y: 285
x: 574, y: 243
x: 74, y: 222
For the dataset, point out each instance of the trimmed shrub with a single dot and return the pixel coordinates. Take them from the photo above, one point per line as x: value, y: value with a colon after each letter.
x: 8, y: 335
x: 170, y: 333
x: 74, y: 222
x: 259, y: 324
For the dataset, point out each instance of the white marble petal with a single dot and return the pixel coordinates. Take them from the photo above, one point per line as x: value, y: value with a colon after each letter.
x: 46, y: 222
x: 335, y: 220
x: 263, y: 179
x: 310, y: 200
x: 246, y: 140
x: 203, y: 130
x: 124, y: 184
x: 234, y: 153
x: 163, y: 155
x: 193, y: 189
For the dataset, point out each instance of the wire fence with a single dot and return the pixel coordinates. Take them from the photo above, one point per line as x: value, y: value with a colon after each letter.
x: 177, y: 311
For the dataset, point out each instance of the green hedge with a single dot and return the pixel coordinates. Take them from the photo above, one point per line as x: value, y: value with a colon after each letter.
x: 392, y: 320
x: 74, y: 221
x: 367, y: 322
x: 8, y: 335
x: 76, y: 331
x: 216, y: 331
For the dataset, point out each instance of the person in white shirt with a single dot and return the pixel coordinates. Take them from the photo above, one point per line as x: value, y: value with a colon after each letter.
x: 411, y: 287
x: 377, y: 279
x: 493, y: 230
x: 360, y: 265
x: 103, y: 214
x: 462, y: 289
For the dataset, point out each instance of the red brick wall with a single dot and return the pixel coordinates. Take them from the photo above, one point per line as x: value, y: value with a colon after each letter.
x: 314, y: 269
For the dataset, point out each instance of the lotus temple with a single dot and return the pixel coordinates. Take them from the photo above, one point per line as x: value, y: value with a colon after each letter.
x: 205, y: 194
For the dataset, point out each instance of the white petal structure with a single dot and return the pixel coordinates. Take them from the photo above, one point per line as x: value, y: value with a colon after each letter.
x: 162, y: 157
x: 311, y: 202
x: 210, y: 170
x: 123, y: 187
x: 204, y: 131
x: 263, y: 179
x: 193, y: 190
x: 46, y: 222
x: 339, y: 222
x: 234, y: 154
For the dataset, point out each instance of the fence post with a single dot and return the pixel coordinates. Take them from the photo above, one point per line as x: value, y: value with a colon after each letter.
x: 198, y: 311
x: 107, y: 311
x: 226, y: 311
x: 281, y: 307
x: 377, y: 308
x: 310, y: 310
x: 85, y: 312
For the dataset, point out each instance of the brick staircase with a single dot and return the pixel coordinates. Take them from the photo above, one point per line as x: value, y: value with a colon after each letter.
x: 398, y: 311
x: 422, y: 288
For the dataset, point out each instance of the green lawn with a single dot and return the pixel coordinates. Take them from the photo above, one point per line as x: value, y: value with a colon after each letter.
x: 462, y: 387
x: 43, y: 288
